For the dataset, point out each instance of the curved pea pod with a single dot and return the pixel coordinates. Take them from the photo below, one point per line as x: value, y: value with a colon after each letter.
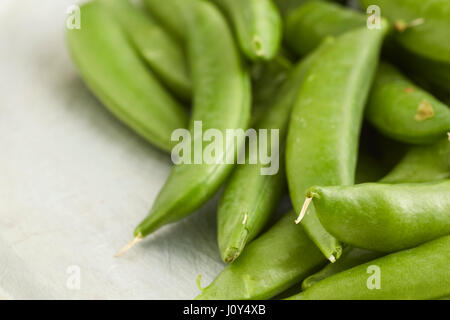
x: 307, y: 25
x: 257, y: 24
x: 243, y: 215
x: 116, y: 75
x: 403, y: 111
x: 297, y: 257
x: 325, y: 124
x: 419, y: 164
x: 384, y: 217
x: 433, y: 75
x: 160, y: 50
x: 222, y: 97
x: 287, y: 6
x: 351, y: 257
x: 280, y: 258
x: 423, y: 164
x: 167, y: 13
x: 416, y: 274
x: 422, y: 27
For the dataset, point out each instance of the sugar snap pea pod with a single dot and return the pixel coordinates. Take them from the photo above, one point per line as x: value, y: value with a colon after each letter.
x: 287, y: 6
x: 403, y: 111
x: 384, y: 217
x: 296, y: 257
x: 168, y: 15
x: 243, y: 215
x: 311, y: 22
x: 280, y: 258
x: 416, y: 274
x: 422, y: 27
x: 117, y: 76
x: 164, y: 55
x: 423, y: 164
x: 351, y: 257
x: 267, y: 79
x: 397, y: 107
x: 222, y: 97
x: 325, y: 123
x: 418, y: 162
x: 257, y: 24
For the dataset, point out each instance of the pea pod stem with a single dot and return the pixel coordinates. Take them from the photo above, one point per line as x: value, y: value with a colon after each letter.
x: 401, y: 25
x: 131, y: 244
x: 304, y: 209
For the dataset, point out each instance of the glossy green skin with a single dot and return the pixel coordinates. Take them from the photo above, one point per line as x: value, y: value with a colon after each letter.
x: 416, y: 274
x: 392, y: 109
x: 294, y: 255
x: 325, y: 124
x: 420, y: 164
x: 222, y: 97
x: 257, y: 24
x: 262, y: 193
x: 267, y: 79
x: 116, y: 75
x: 287, y: 6
x: 351, y: 257
x: 164, y: 55
x: 168, y: 15
x: 384, y: 217
x: 272, y: 263
x: 310, y: 23
x: 436, y: 73
x: 423, y: 164
x: 428, y: 40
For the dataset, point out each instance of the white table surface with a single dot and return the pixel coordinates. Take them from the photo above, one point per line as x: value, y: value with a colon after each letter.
x: 74, y: 182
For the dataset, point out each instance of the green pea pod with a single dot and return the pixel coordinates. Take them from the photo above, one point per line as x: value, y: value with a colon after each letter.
x: 282, y: 273
x: 311, y: 22
x: 419, y: 165
x: 271, y: 264
x: 325, y: 123
x: 437, y: 74
x: 267, y: 79
x: 287, y: 6
x: 257, y: 24
x: 417, y: 274
x: 351, y: 257
x: 164, y: 55
x: 169, y: 16
x: 222, y: 97
x: 405, y: 112
x: 422, y: 28
x: 384, y: 217
x: 117, y: 76
x: 423, y: 164
x: 243, y: 215
x: 397, y: 107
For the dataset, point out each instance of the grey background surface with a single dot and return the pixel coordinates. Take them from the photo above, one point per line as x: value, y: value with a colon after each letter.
x: 74, y: 181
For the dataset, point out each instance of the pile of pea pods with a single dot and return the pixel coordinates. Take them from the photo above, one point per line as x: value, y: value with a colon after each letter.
x: 360, y: 100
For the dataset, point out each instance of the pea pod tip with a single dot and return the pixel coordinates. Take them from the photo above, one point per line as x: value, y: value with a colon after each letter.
x: 137, y: 239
